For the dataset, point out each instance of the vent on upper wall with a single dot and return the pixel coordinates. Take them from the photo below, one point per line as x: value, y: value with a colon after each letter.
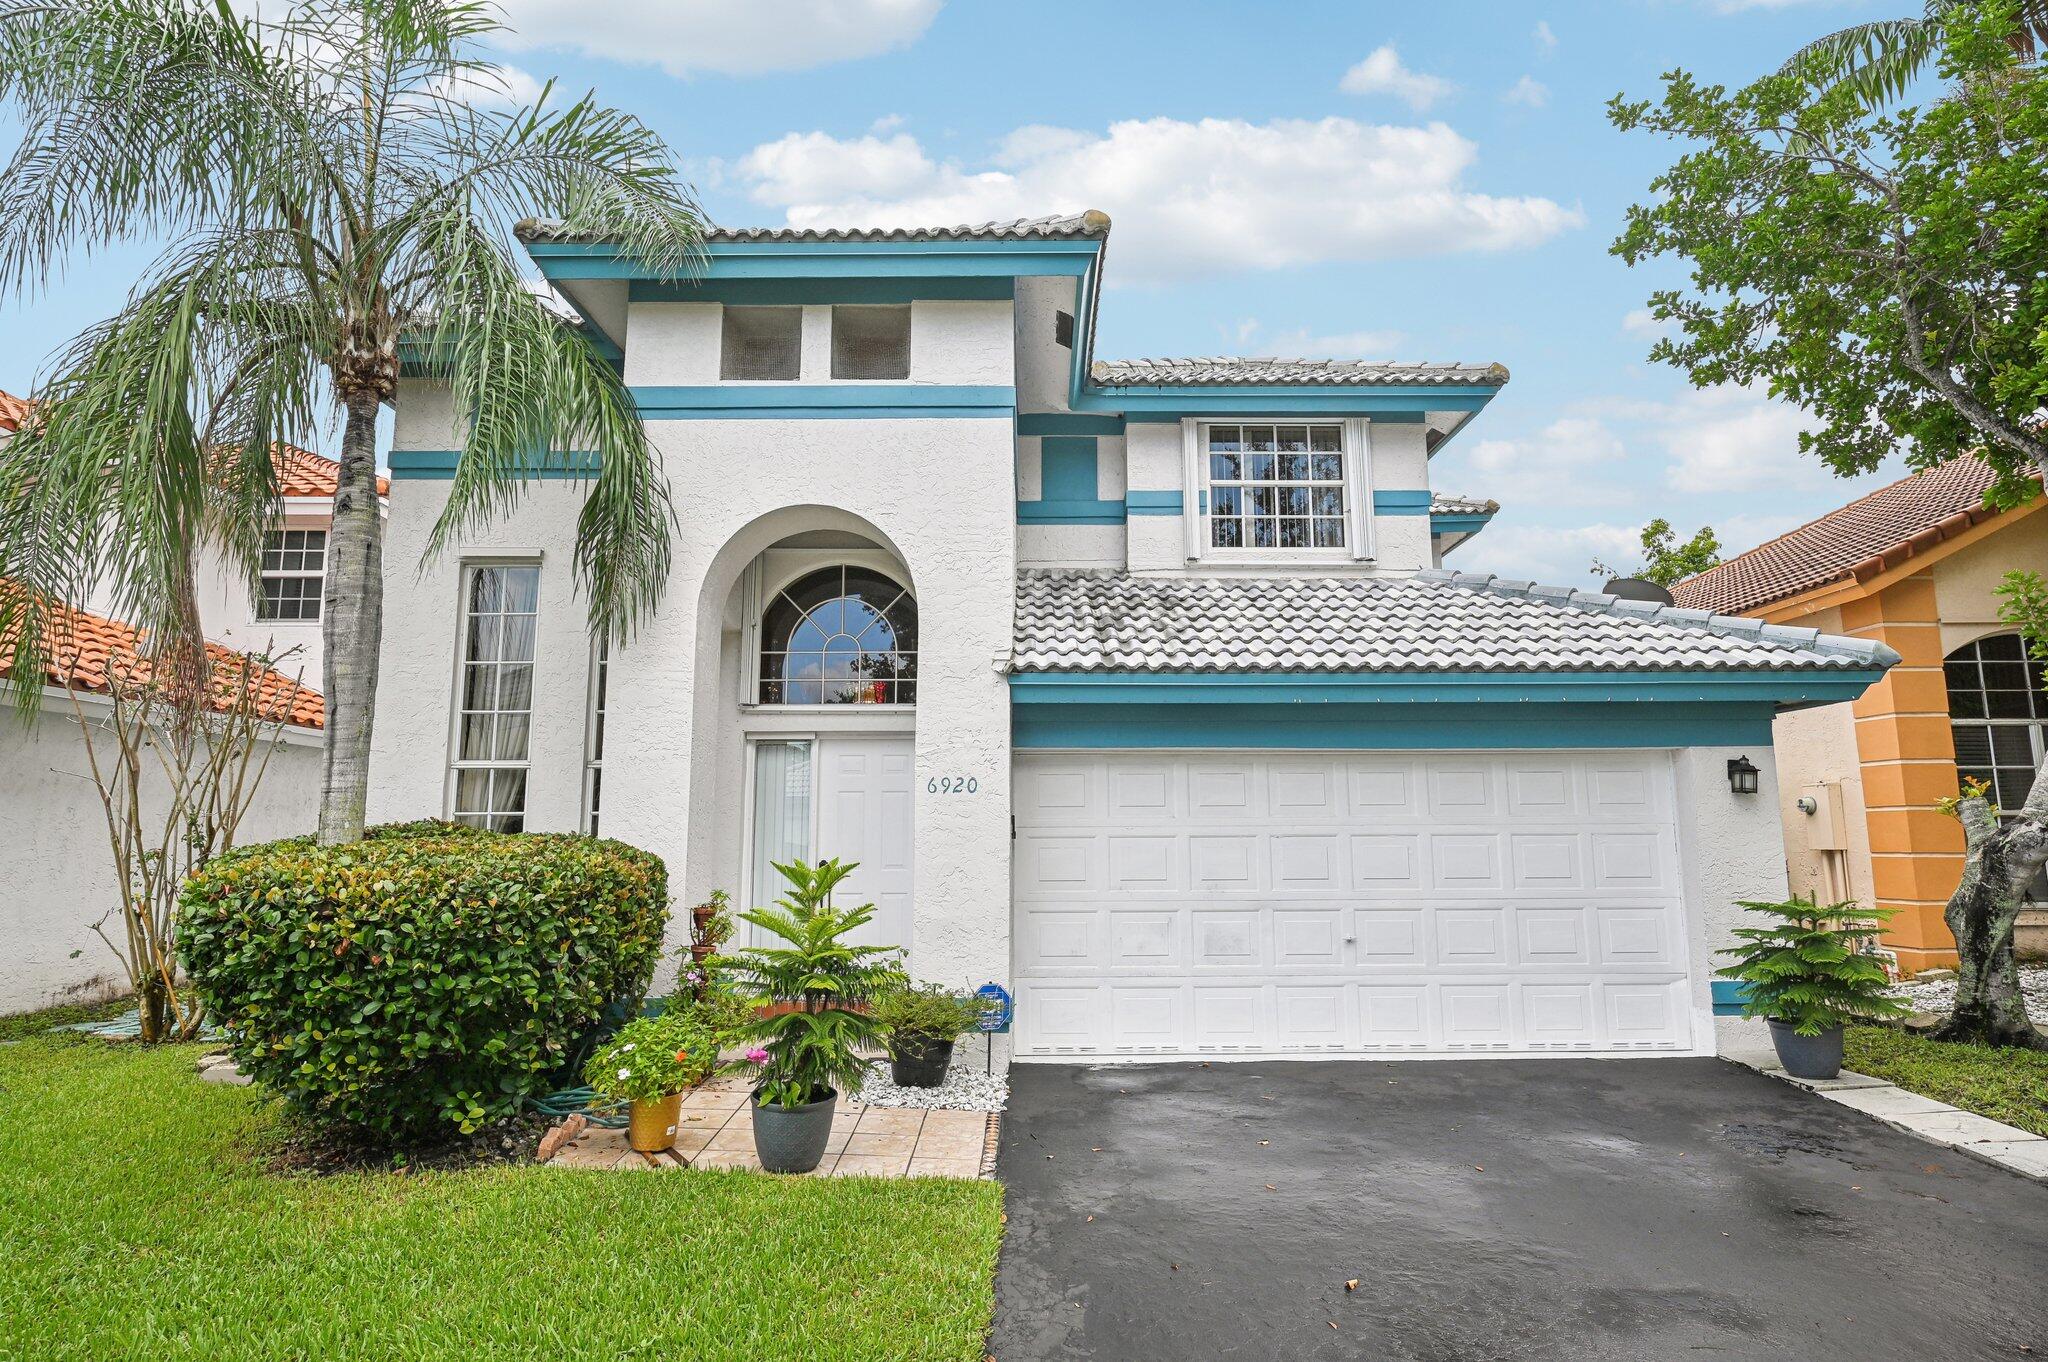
x: 1063, y: 329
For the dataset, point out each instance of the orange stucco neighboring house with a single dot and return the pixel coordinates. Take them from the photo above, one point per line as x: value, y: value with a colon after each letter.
x: 1915, y: 565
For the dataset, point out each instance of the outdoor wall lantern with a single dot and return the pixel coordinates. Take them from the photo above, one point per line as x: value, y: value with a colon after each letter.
x: 1742, y: 775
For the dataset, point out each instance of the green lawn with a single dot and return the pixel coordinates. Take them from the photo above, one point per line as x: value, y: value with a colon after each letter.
x: 22, y: 1025
x: 2006, y: 1085
x: 133, y: 1224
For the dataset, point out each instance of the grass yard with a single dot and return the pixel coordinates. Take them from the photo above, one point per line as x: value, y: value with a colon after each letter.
x: 22, y: 1025
x: 2006, y: 1085
x: 135, y: 1225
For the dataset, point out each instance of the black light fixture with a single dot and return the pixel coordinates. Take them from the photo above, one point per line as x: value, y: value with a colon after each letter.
x: 1742, y: 775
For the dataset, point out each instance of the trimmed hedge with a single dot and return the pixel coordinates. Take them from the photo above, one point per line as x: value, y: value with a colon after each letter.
x: 427, y: 979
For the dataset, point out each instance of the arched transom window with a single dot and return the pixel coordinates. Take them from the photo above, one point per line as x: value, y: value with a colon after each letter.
x: 840, y: 636
x: 1999, y: 715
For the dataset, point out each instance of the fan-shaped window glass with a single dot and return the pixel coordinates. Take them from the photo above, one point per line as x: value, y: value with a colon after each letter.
x: 840, y: 636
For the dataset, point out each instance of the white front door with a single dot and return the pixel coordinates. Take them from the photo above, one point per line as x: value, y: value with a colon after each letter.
x: 1183, y: 903
x: 848, y: 798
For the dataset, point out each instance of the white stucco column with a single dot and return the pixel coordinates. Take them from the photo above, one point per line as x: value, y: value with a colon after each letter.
x: 1731, y: 848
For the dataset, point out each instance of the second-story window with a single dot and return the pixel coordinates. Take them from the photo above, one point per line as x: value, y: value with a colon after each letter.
x: 294, y: 567
x: 870, y: 342
x: 1276, y: 486
x: 761, y: 344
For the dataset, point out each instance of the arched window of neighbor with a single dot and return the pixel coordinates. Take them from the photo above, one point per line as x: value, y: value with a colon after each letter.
x: 1999, y: 715
x: 840, y: 636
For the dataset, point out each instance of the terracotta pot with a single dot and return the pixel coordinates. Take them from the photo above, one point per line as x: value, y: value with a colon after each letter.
x: 651, y: 1127
x: 702, y: 951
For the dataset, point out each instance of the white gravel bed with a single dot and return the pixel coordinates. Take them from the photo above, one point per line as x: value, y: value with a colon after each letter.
x: 966, y: 1088
x: 1939, y: 995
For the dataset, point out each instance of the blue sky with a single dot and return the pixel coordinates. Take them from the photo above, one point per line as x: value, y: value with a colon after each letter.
x: 1366, y: 180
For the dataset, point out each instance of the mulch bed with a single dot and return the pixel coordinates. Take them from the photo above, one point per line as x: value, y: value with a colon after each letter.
x: 302, y: 1148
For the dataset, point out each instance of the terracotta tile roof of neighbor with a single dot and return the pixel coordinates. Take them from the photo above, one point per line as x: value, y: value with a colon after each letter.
x: 1435, y: 621
x: 1852, y: 543
x: 90, y: 651
x: 302, y: 473
x: 1124, y: 373
x: 13, y: 411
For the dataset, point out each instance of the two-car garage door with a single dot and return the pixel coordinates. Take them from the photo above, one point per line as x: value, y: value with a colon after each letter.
x: 1186, y: 903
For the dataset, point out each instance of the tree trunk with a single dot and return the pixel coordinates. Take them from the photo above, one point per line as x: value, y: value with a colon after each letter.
x: 352, y: 624
x: 2002, y: 861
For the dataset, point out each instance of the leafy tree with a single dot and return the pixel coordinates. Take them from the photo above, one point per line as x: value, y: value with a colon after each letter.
x: 332, y: 183
x: 1883, y: 272
x: 1664, y: 560
x: 1876, y: 61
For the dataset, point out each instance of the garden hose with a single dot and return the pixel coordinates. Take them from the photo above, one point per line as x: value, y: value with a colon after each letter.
x: 570, y: 1101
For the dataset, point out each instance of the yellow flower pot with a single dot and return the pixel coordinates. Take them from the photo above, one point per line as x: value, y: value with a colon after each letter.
x: 652, y: 1125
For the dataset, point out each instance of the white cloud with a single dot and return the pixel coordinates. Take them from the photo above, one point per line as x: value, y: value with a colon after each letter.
x: 1554, y: 555
x: 1546, y: 41
x: 1732, y: 439
x: 730, y: 37
x: 1641, y: 322
x: 1573, y: 461
x: 495, y: 87
x: 1527, y: 91
x: 1250, y: 337
x: 1382, y: 74
x: 1737, y: 6
x: 1187, y: 197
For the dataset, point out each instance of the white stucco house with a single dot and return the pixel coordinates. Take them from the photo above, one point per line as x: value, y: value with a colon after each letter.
x: 1132, y: 685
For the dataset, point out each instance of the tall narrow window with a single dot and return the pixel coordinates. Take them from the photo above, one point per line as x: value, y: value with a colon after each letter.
x: 500, y: 604
x: 593, y: 743
x: 870, y: 342
x: 761, y: 344
x: 782, y: 812
x: 294, y: 567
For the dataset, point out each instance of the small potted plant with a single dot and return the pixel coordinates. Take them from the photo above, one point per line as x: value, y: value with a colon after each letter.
x: 919, y: 1024
x: 651, y: 1063
x: 710, y: 925
x: 1807, y: 975
x: 806, y: 1051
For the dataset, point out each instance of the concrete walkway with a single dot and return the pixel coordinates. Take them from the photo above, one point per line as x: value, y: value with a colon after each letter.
x: 1472, y: 1210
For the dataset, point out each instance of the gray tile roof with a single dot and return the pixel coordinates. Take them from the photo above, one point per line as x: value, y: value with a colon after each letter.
x: 1065, y: 226
x: 1433, y: 622
x: 1116, y: 373
x: 1450, y: 503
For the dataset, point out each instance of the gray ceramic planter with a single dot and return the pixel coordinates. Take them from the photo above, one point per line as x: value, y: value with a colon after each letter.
x: 793, y: 1139
x: 1808, y: 1056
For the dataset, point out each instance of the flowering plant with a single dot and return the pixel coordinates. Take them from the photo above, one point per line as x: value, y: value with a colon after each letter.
x: 652, y: 1057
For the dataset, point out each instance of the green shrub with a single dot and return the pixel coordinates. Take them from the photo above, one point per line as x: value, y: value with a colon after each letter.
x: 427, y: 979
x: 1806, y: 970
x: 925, y: 1012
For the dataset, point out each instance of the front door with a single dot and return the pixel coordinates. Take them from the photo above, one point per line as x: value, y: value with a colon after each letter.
x: 848, y: 798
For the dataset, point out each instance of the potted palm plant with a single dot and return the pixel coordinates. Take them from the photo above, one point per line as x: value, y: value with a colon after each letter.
x: 1807, y: 975
x: 805, y: 1049
x: 651, y: 1063
x: 919, y: 1024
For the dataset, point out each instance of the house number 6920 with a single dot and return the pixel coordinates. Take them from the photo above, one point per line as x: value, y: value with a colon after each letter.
x: 953, y: 785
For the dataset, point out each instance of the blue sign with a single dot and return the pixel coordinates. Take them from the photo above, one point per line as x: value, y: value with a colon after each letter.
x: 997, y: 1007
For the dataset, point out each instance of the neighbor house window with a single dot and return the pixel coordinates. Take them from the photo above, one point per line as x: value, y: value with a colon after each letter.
x: 2000, y: 721
x: 496, y: 697
x: 593, y: 741
x: 294, y: 568
x: 1276, y: 486
x: 761, y: 344
x: 871, y: 342
x: 839, y: 636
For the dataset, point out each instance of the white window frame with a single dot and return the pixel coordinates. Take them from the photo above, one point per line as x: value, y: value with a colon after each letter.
x: 593, y: 732
x: 456, y: 763
x: 1356, y: 450
x: 760, y: 586
x: 293, y: 574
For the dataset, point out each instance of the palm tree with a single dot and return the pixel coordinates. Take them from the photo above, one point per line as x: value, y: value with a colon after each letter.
x: 1878, y: 60
x: 335, y: 185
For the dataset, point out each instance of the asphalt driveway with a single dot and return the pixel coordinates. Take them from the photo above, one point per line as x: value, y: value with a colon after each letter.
x: 1586, y: 1209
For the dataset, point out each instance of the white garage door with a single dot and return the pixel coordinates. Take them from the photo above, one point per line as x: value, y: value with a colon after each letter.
x: 1186, y: 903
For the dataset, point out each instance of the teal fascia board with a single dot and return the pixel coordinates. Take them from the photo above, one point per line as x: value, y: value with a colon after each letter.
x: 1459, y: 523
x: 1172, y: 403
x: 1768, y: 688
x: 438, y: 465
x: 830, y: 259
x: 1153, y: 503
x: 1485, y: 726
x: 821, y: 292
x: 799, y: 401
x: 1070, y: 512
x: 1406, y: 502
x: 1068, y: 423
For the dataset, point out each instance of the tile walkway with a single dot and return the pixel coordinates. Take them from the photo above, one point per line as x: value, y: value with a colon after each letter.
x: 2009, y: 1147
x: 716, y: 1131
